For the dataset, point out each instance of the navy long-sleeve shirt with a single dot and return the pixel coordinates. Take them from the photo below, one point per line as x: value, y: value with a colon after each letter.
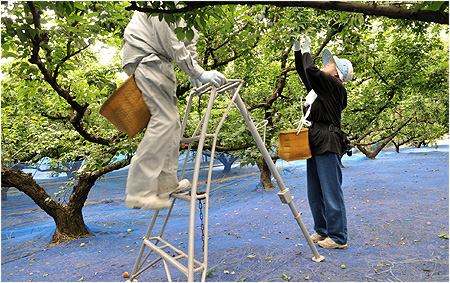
x: 327, y: 108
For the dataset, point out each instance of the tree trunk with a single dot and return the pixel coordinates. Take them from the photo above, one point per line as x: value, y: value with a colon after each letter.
x: 69, y: 226
x: 397, y: 146
x: 367, y: 152
x: 420, y: 143
x: 68, y: 218
x: 266, y: 176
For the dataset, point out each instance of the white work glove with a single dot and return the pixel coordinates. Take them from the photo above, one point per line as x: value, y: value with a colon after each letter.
x: 195, y: 83
x: 306, y: 45
x: 297, y: 46
x: 214, y: 77
x: 310, y: 98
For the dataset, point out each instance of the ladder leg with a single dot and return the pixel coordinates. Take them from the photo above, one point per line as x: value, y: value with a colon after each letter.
x: 240, y: 104
x: 186, y: 113
x: 138, y: 264
x: 169, y: 278
x: 208, y: 183
x: 198, y: 160
x: 141, y: 270
x: 166, y: 220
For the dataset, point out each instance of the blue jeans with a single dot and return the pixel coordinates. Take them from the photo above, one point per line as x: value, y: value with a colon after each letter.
x: 326, y: 199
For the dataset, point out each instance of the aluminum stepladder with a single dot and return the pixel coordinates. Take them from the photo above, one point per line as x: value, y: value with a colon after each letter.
x: 157, y: 244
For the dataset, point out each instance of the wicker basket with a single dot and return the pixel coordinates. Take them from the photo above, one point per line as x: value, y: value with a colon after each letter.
x: 292, y: 146
x: 126, y: 109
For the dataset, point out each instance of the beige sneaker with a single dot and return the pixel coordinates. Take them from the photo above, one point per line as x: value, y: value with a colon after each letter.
x: 182, y: 185
x: 316, y: 237
x: 152, y: 202
x: 328, y: 243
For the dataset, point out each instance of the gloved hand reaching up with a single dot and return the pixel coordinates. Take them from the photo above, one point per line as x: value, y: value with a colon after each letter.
x: 214, y: 77
x: 306, y: 45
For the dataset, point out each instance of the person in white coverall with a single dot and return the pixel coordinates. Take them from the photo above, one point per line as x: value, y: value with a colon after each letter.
x: 150, y: 48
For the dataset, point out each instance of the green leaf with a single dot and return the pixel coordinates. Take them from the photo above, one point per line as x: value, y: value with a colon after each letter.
x: 227, y: 25
x: 180, y: 34
x: 210, y: 273
x: 169, y: 18
x: 200, y: 19
x: 178, y: 30
x: 435, y: 5
x: 419, y: 6
x: 190, y: 35
x: 232, y: 8
x: 79, y: 5
x: 285, y: 277
x: 21, y: 34
x: 443, y: 236
x: 6, y: 54
x: 217, y: 17
x: 76, y: 17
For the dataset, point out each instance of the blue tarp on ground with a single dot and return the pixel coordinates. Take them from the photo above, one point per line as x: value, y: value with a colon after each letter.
x: 397, y: 207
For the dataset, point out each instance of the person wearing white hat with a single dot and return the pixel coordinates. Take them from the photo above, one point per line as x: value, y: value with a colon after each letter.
x: 150, y: 49
x: 327, y: 142
x: 344, y: 67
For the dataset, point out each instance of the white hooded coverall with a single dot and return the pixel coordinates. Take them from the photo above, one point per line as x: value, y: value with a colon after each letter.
x: 150, y: 48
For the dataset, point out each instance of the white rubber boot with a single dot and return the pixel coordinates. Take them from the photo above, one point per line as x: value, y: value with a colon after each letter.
x: 182, y: 185
x: 149, y: 202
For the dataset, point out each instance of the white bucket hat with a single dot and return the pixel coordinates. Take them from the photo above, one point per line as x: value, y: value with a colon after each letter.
x: 345, y: 68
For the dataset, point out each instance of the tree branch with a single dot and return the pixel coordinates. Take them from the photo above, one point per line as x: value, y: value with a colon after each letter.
x: 26, y: 184
x: 381, y: 77
x: 330, y: 36
x: 373, y: 154
x: 390, y: 11
x: 362, y: 80
x: 114, y: 166
x: 80, y: 109
x: 284, y: 70
x: 67, y: 57
x: 57, y: 117
x: 211, y: 49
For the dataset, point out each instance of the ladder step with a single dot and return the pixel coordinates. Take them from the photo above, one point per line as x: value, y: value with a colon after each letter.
x: 187, y: 196
x: 197, y: 138
x: 207, y: 87
x: 174, y: 261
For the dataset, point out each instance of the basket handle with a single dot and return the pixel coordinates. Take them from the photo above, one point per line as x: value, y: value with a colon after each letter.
x: 310, y: 98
